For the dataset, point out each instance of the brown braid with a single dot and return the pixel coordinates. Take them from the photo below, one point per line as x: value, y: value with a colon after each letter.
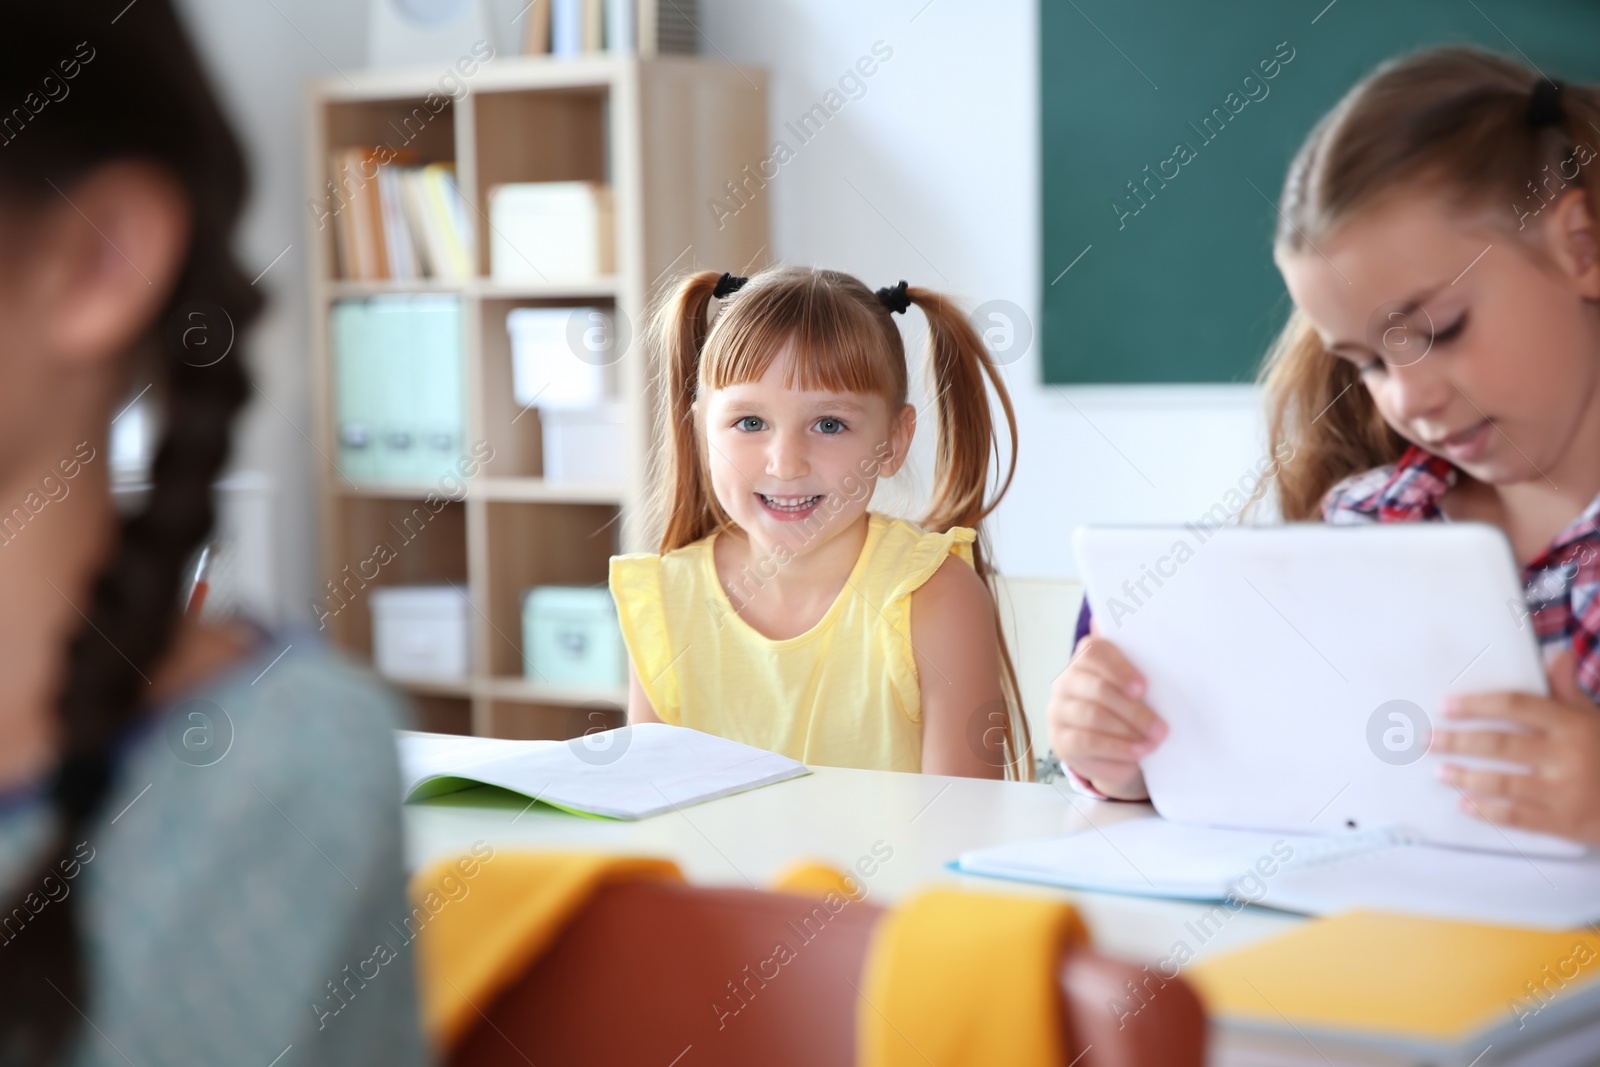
x: 142, y: 96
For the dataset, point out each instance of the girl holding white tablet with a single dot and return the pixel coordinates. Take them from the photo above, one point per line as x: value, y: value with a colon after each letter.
x: 1439, y: 239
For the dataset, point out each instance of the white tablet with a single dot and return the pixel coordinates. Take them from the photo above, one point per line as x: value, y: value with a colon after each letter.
x: 1301, y: 667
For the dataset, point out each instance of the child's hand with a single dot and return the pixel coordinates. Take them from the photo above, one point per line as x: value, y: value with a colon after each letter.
x: 1559, y: 742
x: 1098, y: 724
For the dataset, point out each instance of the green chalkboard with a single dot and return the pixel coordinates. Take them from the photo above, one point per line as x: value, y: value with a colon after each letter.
x: 1177, y: 284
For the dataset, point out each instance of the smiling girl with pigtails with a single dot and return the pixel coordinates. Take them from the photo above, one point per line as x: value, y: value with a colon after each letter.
x: 780, y: 611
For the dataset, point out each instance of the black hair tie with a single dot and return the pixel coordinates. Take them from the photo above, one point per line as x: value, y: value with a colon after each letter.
x: 1544, y: 106
x: 727, y: 285
x: 895, y: 298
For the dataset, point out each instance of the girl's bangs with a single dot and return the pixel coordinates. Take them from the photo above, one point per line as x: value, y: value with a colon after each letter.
x: 828, y: 341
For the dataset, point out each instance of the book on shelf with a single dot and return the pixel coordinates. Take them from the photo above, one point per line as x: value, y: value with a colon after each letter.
x: 668, y: 27
x: 621, y: 27
x: 594, y: 26
x: 399, y: 389
x: 536, y: 28
x: 398, y: 221
x: 621, y: 19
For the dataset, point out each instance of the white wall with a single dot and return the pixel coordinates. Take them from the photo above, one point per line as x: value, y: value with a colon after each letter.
x: 259, y: 55
x: 932, y: 176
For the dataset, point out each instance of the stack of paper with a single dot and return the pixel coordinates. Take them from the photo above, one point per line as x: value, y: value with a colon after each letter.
x: 629, y: 773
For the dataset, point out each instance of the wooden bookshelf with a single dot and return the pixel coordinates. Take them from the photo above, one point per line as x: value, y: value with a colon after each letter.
x: 666, y: 133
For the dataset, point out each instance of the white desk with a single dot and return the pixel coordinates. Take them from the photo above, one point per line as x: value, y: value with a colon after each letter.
x: 836, y: 815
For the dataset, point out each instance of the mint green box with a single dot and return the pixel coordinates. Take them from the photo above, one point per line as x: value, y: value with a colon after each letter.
x: 399, y: 392
x: 570, y: 636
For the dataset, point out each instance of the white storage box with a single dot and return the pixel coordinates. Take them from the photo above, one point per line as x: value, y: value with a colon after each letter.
x: 585, y: 444
x: 544, y: 231
x: 550, y: 366
x: 419, y: 632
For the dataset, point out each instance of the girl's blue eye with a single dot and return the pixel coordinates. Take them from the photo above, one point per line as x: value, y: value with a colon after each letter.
x: 750, y: 423
x: 830, y: 425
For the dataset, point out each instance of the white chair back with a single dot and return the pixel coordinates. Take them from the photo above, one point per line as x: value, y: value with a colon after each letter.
x: 1038, y: 617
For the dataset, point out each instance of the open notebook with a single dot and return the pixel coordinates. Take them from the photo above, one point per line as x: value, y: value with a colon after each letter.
x: 629, y: 773
x: 1315, y: 875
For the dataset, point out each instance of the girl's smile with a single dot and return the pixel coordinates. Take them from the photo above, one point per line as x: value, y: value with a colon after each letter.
x: 790, y: 508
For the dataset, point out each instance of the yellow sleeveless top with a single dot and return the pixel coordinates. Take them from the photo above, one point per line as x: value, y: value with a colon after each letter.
x: 842, y: 694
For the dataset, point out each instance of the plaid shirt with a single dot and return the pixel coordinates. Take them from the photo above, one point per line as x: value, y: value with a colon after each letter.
x: 1561, y: 584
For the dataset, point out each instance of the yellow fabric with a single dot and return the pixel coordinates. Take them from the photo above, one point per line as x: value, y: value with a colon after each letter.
x: 1396, y: 975
x: 842, y: 694
x: 962, y: 979
x: 481, y: 930
x: 818, y: 880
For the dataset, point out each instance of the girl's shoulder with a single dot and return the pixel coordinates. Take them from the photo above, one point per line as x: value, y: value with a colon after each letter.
x: 296, y: 726
x: 894, y: 530
x: 1407, y: 490
x: 647, y: 570
x: 904, y: 556
x: 261, y: 807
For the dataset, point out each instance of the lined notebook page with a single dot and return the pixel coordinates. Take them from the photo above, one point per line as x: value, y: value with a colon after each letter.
x: 1380, y: 869
x: 1446, y: 883
x: 1153, y: 857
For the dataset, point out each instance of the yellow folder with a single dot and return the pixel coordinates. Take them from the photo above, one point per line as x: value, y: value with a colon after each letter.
x: 1407, y: 982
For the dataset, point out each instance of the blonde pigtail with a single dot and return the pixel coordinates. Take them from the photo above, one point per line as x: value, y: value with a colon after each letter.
x: 681, y: 506
x: 965, y: 441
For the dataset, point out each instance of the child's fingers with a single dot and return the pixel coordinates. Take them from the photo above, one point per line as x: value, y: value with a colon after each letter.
x: 1524, y: 708
x: 1092, y: 744
x: 1105, y: 659
x: 1092, y: 703
x: 1495, y: 744
x: 1113, y: 778
x: 1488, y: 785
x: 1504, y: 811
x: 1136, y: 717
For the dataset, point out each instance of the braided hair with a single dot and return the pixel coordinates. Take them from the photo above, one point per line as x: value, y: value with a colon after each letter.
x: 94, y: 82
